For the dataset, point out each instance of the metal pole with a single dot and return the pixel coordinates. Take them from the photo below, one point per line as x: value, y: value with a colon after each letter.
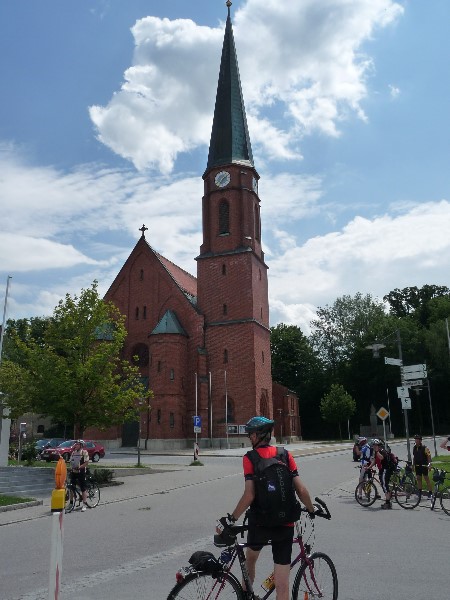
x: 4, y: 316
x: 432, y: 419
x: 196, y: 405
x: 405, y: 410
x: 448, y: 336
x: 389, y: 409
x: 210, y: 410
x: 226, y: 409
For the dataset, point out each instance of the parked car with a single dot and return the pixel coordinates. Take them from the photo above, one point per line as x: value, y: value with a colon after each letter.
x: 46, y: 443
x: 96, y: 451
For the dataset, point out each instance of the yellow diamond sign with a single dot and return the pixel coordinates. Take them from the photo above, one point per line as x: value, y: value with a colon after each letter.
x: 382, y: 414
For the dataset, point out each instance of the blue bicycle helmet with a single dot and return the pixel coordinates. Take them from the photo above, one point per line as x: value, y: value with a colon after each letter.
x: 259, y: 425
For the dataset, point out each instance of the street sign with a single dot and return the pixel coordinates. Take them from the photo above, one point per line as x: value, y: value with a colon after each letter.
x: 412, y: 368
x: 415, y: 382
x: 403, y: 392
x: 414, y: 375
x: 406, y: 403
x: 393, y: 361
x: 382, y: 413
x: 197, y: 424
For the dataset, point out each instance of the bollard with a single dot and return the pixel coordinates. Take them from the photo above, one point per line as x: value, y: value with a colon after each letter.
x: 56, y: 546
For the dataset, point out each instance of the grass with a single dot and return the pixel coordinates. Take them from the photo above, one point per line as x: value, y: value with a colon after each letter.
x: 7, y: 500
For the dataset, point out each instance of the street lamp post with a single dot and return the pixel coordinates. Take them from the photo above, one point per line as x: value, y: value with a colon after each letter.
x: 376, y: 347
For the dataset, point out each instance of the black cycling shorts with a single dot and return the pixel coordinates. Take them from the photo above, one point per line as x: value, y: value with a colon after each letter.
x: 281, y: 538
x: 79, y: 478
x: 421, y: 469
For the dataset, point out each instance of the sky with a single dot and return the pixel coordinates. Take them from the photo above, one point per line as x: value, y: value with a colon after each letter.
x: 106, y: 112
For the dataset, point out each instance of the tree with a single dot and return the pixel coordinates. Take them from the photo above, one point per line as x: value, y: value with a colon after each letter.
x: 72, y: 370
x: 344, y: 326
x: 337, y: 406
x: 414, y: 301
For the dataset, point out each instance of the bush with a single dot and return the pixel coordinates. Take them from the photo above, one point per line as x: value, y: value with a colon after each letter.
x: 102, y: 475
x: 29, y: 453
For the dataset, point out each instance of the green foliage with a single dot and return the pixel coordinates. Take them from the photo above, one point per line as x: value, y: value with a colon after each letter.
x: 69, y: 366
x: 345, y: 326
x: 337, y: 406
x: 102, y: 476
x: 7, y: 500
x: 414, y: 301
x: 29, y: 453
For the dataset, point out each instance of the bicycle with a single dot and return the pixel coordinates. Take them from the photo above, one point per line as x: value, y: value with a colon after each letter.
x: 209, y: 578
x: 74, y: 495
x: 441, y: 490
x: 406, y: 492
x: 366, y: 492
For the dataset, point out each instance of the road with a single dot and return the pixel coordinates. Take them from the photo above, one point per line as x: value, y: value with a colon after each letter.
x: 131, y: 545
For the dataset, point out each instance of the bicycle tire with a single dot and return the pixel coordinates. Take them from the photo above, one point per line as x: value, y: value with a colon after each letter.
x: 323, y: 585
x: 202, y: 586
x: 407, y: 495
x: 366, y: 493
x: 445, y: 500
x: 93, y: 494
x: 70, y: 499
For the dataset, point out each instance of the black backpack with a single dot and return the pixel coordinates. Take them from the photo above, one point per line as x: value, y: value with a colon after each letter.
x: 275, y: 500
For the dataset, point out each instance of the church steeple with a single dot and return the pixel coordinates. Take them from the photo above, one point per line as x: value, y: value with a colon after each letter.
x: 230, y: 141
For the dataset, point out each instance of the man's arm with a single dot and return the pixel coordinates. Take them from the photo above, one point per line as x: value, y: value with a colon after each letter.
x: 303, y: 493
x: 246, y: 499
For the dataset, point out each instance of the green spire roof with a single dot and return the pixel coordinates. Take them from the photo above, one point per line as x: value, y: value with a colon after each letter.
x: 169, y: 324
x: 230, y: 142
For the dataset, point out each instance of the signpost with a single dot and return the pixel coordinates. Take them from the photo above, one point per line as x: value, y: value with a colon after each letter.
x: 403, y: 391
x: 406, y: 403
x: 414, y: 372
x: 393, y: 361
x: 383, y: 415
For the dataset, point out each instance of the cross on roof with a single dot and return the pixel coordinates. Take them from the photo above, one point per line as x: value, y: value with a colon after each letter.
x: 143, y: 229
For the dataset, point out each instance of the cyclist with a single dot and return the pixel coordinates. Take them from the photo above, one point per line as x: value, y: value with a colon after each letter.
x: 385, y: 469
x: 259, y: 431
x: 422, y: 461
x: 79, y: 460
x: 365, y: 456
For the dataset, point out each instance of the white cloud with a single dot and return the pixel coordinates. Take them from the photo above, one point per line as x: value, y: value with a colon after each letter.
x: 394, y: 91
x: 302, y: 59
x: 368, y: 255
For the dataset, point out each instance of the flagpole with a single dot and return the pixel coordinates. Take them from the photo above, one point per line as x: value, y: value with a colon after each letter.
x: 226, y: 409
x: 4, y: 316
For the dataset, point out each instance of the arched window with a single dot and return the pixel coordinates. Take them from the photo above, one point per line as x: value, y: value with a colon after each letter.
x: 225, y: 356
x: 224, y: 269
x: 141, y: 275
x: 172, y: 374
x: 225, y: 309
x: 136, y: 314
x: 224, y: 217
x: 144, y: 312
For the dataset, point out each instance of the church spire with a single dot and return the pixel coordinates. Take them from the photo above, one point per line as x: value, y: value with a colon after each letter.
x: 230, y: 141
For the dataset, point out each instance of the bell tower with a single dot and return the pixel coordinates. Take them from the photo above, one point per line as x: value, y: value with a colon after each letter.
x: 231, y: 272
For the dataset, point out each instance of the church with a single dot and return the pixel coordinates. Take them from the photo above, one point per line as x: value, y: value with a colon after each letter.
x: 203, y: 343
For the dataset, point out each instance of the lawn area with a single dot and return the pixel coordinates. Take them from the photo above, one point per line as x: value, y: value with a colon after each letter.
x: 7, y: 500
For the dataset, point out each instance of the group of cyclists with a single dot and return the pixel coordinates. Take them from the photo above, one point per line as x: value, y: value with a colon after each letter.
x: 378, y: 454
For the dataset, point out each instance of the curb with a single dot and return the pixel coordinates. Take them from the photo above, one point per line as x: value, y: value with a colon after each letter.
x: 21, y: 505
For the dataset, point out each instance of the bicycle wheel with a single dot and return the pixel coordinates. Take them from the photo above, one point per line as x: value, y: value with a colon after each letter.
x: 93, y: 495
x: 366, y: 493
x: 445, y: 500
x: 407, y: 495
x: 70, y: 500
x: 202, y: 586
x: 318, y: 580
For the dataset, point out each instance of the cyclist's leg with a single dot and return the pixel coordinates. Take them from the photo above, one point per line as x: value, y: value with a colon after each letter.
x: 316, y: 579
x: 251, y: 556
x: 282, y: 539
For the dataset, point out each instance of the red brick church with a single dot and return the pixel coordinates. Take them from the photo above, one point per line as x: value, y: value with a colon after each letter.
x: 204, y: 342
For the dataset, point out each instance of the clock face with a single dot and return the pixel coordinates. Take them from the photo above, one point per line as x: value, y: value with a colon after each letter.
x: 255, y: 185
x: 222, y: 179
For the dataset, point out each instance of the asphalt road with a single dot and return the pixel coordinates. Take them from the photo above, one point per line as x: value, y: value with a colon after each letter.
x: 131, y: 545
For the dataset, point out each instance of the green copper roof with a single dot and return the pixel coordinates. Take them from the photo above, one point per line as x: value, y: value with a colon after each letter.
x: 230, y: 142
x: 169, y: 324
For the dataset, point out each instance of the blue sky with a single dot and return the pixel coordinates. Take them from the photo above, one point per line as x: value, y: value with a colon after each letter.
x: 106, y: 112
